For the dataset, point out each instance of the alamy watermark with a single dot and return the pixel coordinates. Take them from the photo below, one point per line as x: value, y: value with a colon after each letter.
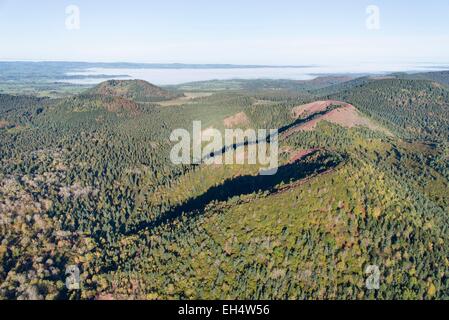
x: 73, y: 280
x: 373, y: 280
x: 372, y: 276
x: 73, y: 18
x: 373, y: 19
x: 238, y: 146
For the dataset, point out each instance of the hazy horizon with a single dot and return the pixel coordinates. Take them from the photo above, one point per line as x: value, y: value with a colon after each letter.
x: 174, y: 76
x: 90, y: 73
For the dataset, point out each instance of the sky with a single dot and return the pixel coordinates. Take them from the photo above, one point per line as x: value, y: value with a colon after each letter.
x: 276, y: 32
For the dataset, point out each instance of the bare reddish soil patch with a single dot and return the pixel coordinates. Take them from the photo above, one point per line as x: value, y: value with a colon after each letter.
x: 119, y: 104
x: 3, y: 124
x: 301, y: 154
x: 314, y: 107
x: 105, y: 297
x: 346, y: 115
x: 238, y: 119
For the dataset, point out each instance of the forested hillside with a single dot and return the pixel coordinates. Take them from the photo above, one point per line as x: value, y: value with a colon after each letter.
x: 416, y: 109
x: 136, y: 90
x: 439, y: 76
x: 86, y: 180
x: 264, y: 84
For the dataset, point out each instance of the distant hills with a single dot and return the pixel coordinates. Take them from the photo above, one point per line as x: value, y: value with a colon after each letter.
x: 264, y: 84
x: 50, y: 71
x: 412, y: 108
x: 439, y: 76
x: 122, y: 97
x: 92, y: 171
x: 135, y: 90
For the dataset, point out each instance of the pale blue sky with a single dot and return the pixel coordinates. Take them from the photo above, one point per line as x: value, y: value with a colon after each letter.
x: 228, y: 31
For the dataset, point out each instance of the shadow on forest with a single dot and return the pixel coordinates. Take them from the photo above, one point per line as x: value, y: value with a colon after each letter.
x: 245, y: 185
x: 302, y: 121
x: 281, y: 130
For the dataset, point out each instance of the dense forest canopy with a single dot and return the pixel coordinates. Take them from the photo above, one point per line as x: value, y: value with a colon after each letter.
x: 86, y: 180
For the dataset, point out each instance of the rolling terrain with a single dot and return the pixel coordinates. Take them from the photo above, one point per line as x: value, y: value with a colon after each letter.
x: 135, y: 90
x: 363, y: 180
